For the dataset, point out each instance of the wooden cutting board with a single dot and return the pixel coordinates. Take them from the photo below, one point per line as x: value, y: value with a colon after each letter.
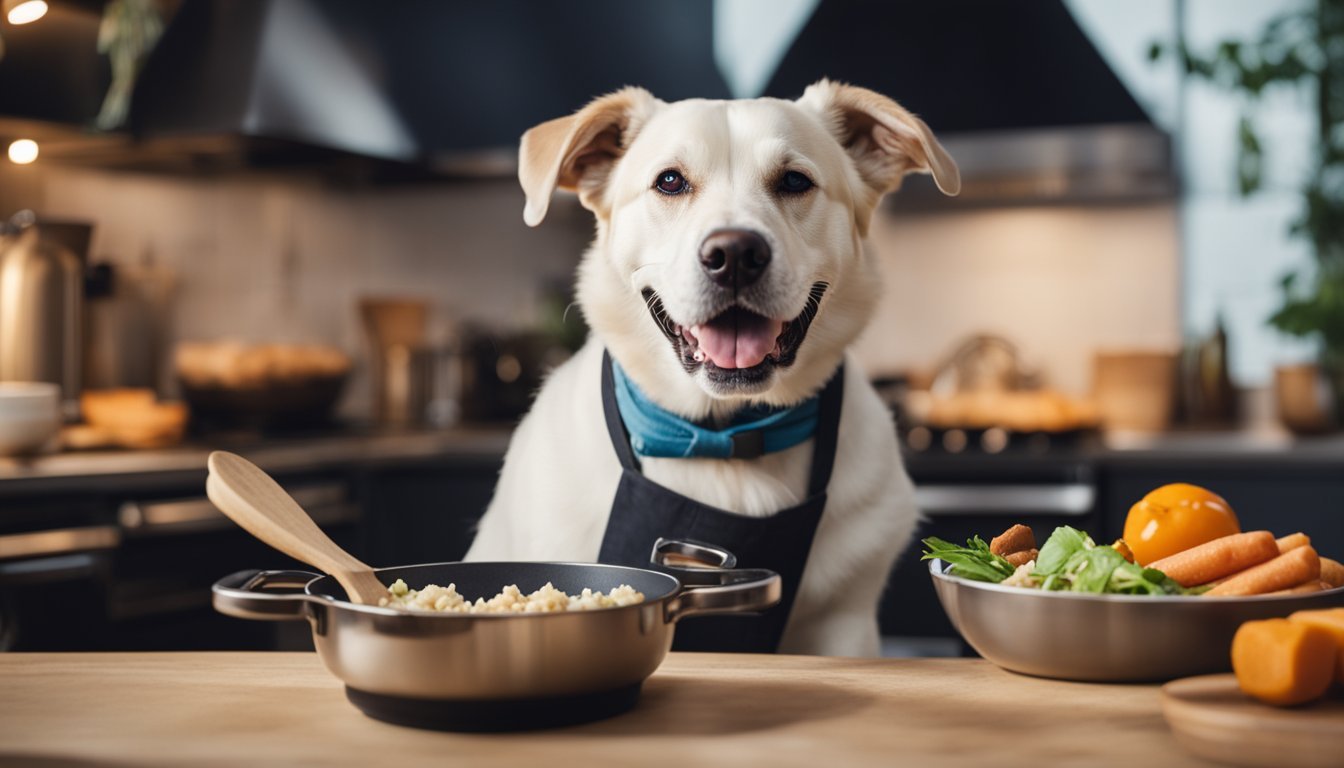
x: 1212, y: 718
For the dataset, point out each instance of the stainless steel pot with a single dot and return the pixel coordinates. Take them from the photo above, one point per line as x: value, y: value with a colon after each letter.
x: 503, y: 671
x: 1106, y: 638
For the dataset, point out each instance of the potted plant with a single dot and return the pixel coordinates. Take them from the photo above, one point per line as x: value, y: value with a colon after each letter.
x: 1304, y: 48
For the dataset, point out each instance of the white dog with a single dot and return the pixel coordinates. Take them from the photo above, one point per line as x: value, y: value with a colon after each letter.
x: 794, y: 185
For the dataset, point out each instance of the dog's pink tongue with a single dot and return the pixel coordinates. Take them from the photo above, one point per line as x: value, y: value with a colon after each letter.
x: 737, y: 338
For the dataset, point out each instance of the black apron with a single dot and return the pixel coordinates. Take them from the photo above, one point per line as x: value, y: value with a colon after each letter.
x: 643, y: 511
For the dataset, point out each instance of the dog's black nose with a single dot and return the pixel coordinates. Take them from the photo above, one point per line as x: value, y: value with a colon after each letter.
x: 734, y: 258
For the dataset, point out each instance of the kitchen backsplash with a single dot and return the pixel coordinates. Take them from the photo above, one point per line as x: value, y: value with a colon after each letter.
x: 1058, y: 282
x: 283, y: 259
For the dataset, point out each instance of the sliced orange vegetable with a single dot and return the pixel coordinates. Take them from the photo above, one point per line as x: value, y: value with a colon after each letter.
x: 1283, y: 662
x: 1332, y: 621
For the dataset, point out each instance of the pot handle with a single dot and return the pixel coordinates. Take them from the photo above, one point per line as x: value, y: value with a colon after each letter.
x: 247, y: 595
x: 688, y: 556
x: 713, y: 585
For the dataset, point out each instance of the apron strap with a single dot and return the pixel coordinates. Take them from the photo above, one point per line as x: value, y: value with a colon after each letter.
x: 824, y: 442
x: 620, y: 440
x: 828, y: 432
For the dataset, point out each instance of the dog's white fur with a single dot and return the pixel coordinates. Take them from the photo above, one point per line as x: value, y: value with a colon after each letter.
x: 560, y: 473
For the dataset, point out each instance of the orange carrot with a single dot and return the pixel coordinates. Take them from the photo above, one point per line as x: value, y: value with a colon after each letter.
x: 1305, y: 588
x: 1294, y: 567
x: 1218, y: 558
x: 1292, y: 541
x: 1332, y: 572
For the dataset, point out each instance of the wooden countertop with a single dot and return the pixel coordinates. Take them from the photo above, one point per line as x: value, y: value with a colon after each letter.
x: 709, y: 709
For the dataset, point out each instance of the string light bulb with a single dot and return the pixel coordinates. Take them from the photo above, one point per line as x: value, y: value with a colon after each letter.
x: 22, y: 151
x: 25, y: 11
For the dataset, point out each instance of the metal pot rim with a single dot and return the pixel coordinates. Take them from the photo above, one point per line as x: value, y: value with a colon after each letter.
x: 675, y: 587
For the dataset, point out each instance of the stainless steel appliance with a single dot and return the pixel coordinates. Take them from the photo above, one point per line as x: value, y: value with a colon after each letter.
x: 41, y: 302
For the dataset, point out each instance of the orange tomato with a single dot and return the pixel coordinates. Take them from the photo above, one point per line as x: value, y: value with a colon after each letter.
x: 1174, y: 518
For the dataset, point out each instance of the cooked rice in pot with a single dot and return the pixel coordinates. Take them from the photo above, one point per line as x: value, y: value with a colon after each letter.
x: 510, y: 600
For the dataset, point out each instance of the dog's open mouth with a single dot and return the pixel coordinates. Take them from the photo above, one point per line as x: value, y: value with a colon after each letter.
x: 737, y: 343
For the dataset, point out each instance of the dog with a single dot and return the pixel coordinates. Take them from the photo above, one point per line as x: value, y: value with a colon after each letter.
x: 798, y: 180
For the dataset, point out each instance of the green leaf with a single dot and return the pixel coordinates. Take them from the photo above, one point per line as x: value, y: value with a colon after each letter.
x: 1061, y: 545
x: 1131, y: 579
x: 973, y: 561
x: 1250, y: 159
x: 1090, y: 569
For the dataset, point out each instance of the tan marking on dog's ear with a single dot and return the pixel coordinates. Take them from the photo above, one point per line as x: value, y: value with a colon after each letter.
x: 884, y: 139
x: 577, y: 153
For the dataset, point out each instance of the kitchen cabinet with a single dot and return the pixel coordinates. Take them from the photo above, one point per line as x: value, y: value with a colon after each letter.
x: 426, y: 512
x: 131, y: 563
x: 128, y: 545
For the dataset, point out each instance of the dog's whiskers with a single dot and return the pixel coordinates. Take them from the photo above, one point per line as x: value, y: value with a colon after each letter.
x: 655, y: 307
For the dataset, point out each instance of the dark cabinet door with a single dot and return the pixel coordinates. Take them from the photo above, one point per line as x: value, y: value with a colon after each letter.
x: 426, y: 513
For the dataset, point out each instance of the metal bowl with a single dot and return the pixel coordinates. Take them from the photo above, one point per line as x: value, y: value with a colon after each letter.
x: 1106, y: 638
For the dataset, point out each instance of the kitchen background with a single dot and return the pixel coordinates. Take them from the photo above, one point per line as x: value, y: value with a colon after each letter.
x: 1088, y: 320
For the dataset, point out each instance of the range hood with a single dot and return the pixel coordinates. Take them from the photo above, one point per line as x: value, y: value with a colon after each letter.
x: 1015, y: 90
x: 418, y: 89
x: 394, y: 90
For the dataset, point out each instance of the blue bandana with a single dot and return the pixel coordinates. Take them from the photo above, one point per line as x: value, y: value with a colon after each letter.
x: 759, y: 429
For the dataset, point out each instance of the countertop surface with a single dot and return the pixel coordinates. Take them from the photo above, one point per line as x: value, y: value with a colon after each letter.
x: 698, y: 709
x: 273, y: 454
x: 366, y: 447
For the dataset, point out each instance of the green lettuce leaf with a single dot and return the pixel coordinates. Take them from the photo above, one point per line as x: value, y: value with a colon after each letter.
x: 973, y: 561
x: 1063, y: 544
x: 1090, y: 570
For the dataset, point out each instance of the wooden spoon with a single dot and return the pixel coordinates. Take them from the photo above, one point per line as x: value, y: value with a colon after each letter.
x: 252, y: 499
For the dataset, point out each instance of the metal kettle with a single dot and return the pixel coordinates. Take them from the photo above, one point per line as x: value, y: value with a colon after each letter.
x: 41, y: 303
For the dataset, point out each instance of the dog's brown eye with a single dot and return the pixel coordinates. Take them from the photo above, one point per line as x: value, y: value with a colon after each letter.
x: 794, y: 183
x: 670, y: 183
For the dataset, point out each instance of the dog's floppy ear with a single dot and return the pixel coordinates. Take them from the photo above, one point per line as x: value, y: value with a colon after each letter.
x: 884, y: 139
x: 577, y: 152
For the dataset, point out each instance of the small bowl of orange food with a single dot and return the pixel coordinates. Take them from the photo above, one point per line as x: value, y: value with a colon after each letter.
x: 1163, y: 602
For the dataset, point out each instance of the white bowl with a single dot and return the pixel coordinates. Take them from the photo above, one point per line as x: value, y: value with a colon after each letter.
x: 30, y: 416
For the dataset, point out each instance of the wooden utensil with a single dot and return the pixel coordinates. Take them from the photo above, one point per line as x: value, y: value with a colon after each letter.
x: 253, y: 500
x: 1212, y: 718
